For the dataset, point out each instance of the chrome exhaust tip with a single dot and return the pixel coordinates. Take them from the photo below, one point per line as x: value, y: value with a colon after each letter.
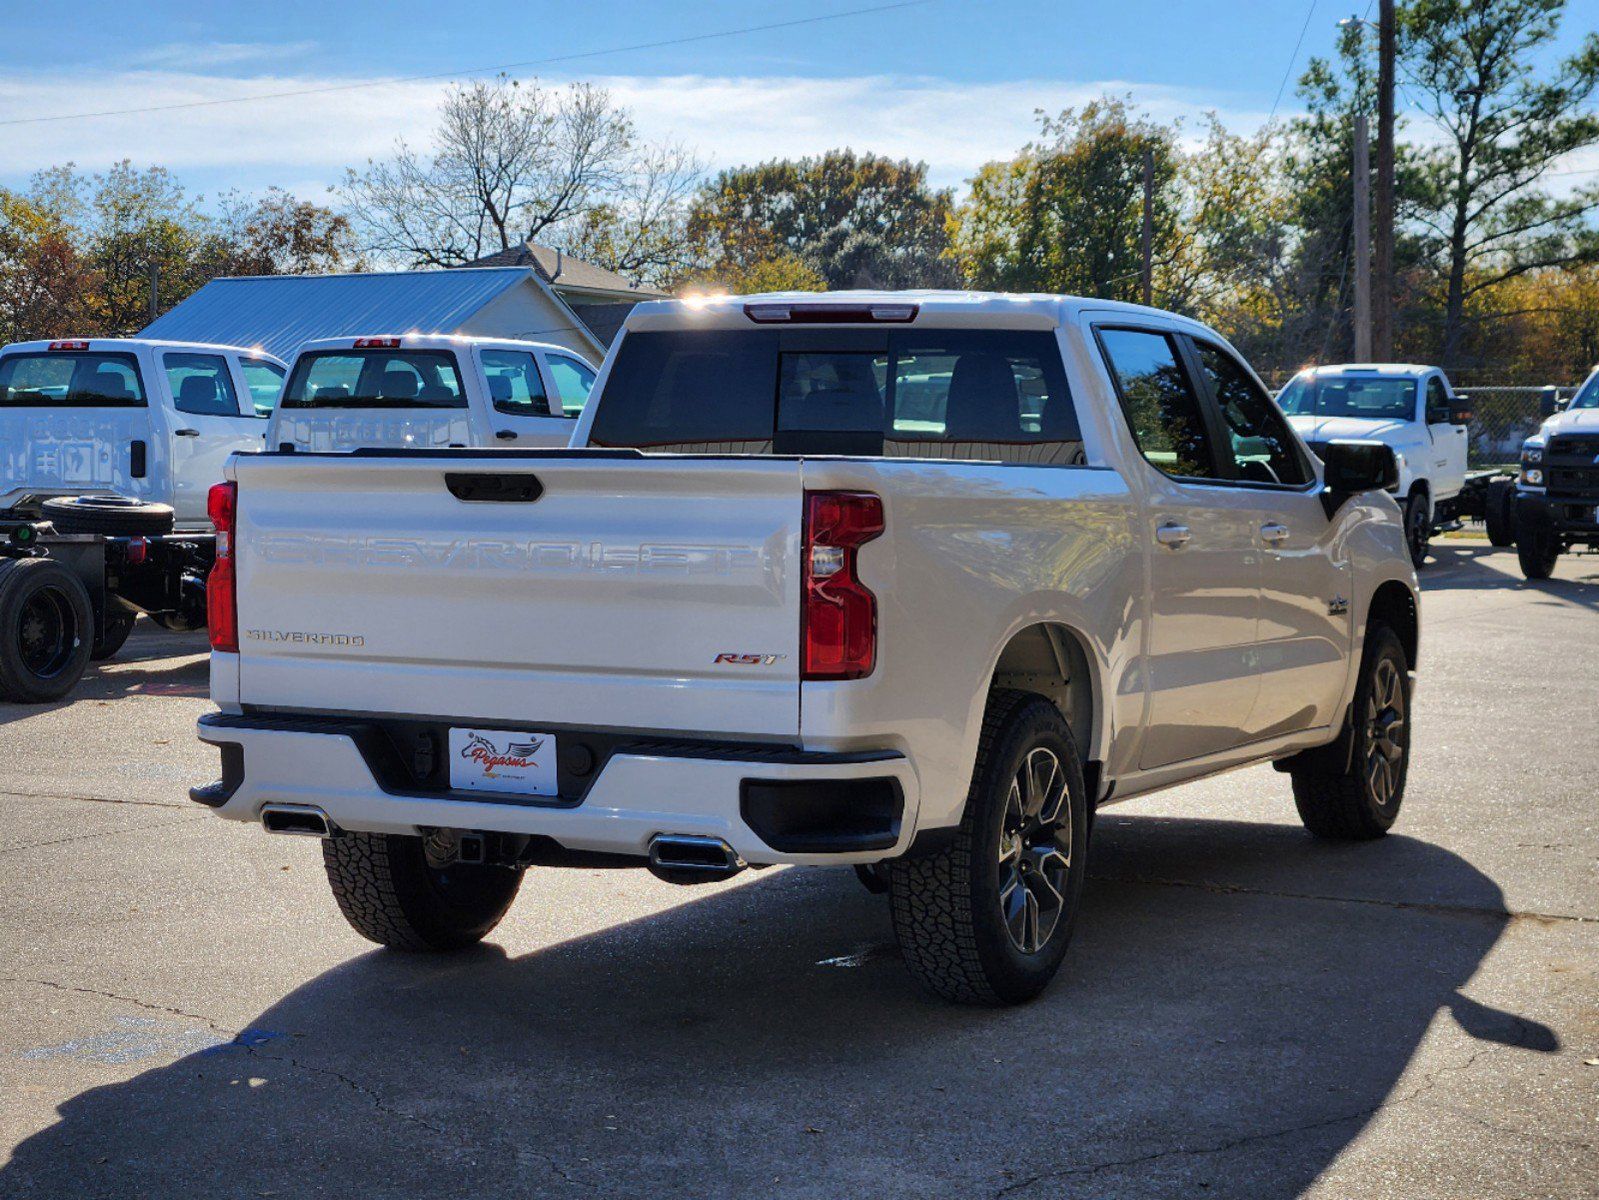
x: 302, y: 819
x: 685, y: 858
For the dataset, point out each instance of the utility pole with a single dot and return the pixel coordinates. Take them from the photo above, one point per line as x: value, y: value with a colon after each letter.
x: 1146, y: 239
x: 1362, y: 176
x: 1382, y: 261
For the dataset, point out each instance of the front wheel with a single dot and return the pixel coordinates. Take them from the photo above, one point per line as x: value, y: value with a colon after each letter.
x: 987, y: 918
x: 1418, y: 528
x: 1360, y: 798
x: 1538, y: 553
x: 118, y: 625
x: 391, y: 895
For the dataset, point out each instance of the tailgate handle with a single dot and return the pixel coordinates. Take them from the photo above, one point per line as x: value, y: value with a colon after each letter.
x: 496, y: 489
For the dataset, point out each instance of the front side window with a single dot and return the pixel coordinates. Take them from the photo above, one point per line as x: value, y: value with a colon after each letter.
x: 264, y: 380
x: 978, y: 395
x: 375, y: 379
x: 515, y: 386
x: 1160, y: 402
x: 1437, y: 402
x: 574, y: 381
x: 1372, y: 396
x: 75, y: 380
x: 1262, y: 448
x: 201, y: 384
x: 1588, y: 395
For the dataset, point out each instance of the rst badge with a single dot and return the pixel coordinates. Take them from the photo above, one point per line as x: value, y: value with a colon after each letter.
x: 497, y: 760
x: 747, y: 660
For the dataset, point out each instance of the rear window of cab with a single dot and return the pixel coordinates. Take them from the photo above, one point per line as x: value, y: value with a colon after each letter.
x: 976, y: 395
x: 375, y: 379
x: 83, y: 379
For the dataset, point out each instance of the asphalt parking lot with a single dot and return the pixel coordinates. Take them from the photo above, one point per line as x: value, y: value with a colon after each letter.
x: 1245, y: 1012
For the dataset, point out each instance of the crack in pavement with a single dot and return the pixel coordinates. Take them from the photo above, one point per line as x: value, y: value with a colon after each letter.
x: 1239, y: 889
x: 100, y: 833
x: 133, y: 1000
x: 11, y: 792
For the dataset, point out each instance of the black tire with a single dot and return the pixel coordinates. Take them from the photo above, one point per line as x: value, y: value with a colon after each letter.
x: 115, y: 516
x: 1361, y: 799
x: 950, y: 918
x: 118, y: 625
x: 46, y: 630
x: 1499, y: 513
x: 1418, y: 527
x: 1538, y: 553
x: 390, y: 895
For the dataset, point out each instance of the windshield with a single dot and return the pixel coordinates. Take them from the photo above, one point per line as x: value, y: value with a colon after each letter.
x: 375, y: 379
x: 993, y: 395
x: 1588, y: 396
x: 1370, y: 396
x: 83, y: 380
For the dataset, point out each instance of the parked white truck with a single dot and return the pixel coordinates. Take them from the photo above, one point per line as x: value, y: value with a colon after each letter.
x: 1412, y: 409
x: 907, y: 581
x: 429, y: 391
x: 108, y: 450
x: 1557, y: 491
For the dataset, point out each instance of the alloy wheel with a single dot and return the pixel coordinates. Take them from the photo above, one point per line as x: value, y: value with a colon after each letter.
x: 1035, y: 851
x: 1385, y: 732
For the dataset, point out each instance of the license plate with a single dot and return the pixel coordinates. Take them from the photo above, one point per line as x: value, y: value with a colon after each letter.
x: 499, y: 760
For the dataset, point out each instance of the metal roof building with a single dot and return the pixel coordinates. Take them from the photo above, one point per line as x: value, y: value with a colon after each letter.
x: 278, y: 312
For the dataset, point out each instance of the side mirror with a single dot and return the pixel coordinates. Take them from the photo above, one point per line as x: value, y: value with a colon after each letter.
x: 1562, y: 403
x: 1356, y: 467
x: 1459, y: 414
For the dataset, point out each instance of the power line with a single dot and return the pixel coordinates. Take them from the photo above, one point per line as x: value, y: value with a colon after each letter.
x: 533, y: 62
x: 1294, y: 58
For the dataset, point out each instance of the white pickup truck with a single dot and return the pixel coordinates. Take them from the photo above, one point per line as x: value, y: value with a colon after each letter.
x: 429, y: 391
x: 1557, y: 490
x: 907, y: 581
x: 1412, y: 409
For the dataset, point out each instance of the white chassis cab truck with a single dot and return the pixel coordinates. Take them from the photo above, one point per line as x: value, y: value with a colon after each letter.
x: 429, y: 392
x: 910, y: 582
x: 109, y: 448
x: 1414, y: 410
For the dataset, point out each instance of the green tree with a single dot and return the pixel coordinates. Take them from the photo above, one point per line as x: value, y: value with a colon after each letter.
x: 279, y: 234
x: 1066, y: 215
x: 854, y: 220
x: 1473, y: 67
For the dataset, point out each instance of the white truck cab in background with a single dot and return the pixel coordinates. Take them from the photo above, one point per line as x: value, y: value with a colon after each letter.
x: 146, y: 420
x: 429, y: 392
x: 1411, y: 408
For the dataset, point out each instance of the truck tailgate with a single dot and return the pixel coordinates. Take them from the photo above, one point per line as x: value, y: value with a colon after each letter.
x: 366, y: 585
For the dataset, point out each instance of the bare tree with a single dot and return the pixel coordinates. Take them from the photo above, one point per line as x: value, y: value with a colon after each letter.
x: 513, y: 162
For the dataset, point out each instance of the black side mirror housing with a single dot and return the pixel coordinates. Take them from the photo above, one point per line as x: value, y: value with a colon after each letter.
x: 1355, y: 467
x: 1460, y: 413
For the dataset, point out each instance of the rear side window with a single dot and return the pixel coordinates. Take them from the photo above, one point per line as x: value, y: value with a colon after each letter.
x: 1160, y: 402
x: 375, y: 379
x: 201, y: 384
x: 515, y: 386
x: 75, y: 380
x: 986, y: 395
x: 265, y: 381
x: 573, y: 380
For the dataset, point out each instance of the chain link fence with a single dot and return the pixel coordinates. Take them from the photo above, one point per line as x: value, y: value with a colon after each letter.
x: 1504, y: 417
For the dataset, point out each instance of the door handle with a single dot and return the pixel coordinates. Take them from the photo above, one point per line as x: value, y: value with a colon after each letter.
x: 1274, y: 533
x: 186, y: 432
x: 1175, y: 536
x: 505, y: 435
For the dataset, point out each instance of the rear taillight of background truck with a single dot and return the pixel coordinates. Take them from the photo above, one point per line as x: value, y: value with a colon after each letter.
x: 221, y: 597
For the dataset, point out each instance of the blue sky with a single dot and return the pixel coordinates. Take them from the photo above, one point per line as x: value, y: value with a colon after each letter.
x: 953, y: 83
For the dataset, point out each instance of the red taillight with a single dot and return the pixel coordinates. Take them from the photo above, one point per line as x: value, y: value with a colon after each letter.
x: 69, y: 345
x: 221, y: 598
x: 382, y: 343
x: 838, y: 623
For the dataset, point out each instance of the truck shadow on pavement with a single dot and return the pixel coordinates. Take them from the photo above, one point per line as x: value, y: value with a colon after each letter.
x: 1239, y: 1003
x: 153, y: 663
x: 1454, y: 566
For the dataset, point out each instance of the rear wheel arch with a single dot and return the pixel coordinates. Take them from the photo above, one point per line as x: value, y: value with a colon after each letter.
x: 1052, y: 660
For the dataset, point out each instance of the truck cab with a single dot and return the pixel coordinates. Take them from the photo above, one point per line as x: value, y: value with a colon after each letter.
x: 429, y: 392
x: 1412, y: 409
x: 145, y: 420
x: 1557, y: 489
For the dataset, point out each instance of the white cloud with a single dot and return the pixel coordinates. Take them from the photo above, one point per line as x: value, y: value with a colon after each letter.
x: 954, y: 127
x: 191, y: 55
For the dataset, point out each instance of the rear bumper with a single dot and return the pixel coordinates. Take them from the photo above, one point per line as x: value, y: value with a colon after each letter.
x: 641, y: 790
